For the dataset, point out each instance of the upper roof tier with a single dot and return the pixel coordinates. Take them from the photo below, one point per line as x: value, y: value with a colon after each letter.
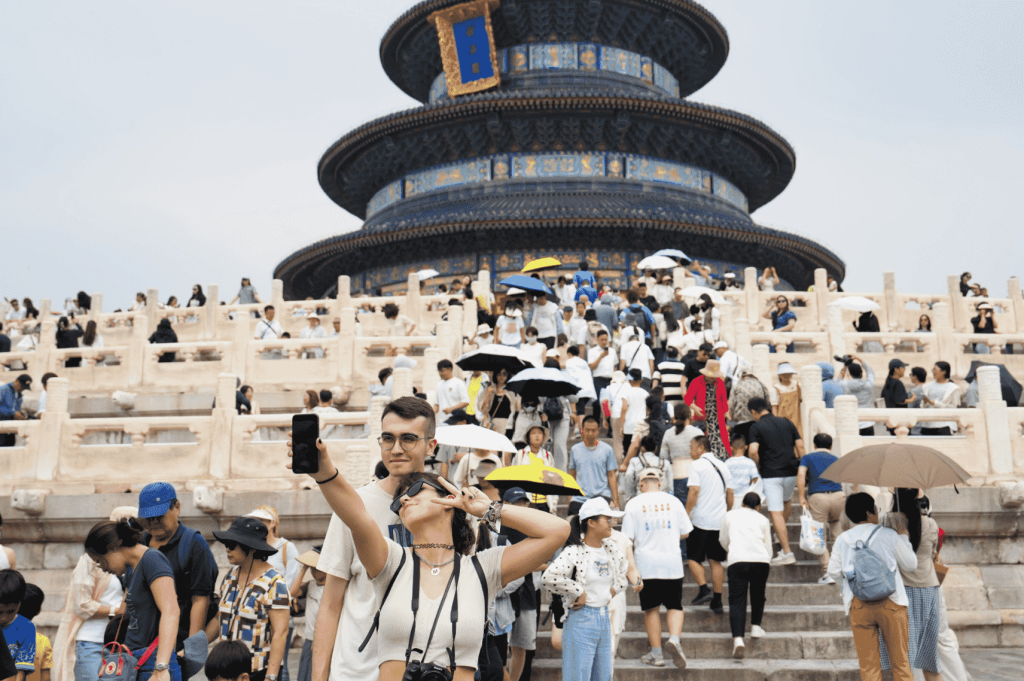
x: 681, y: 36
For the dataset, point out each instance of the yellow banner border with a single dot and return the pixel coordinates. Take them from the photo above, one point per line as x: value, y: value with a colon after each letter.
x: 443, y: 20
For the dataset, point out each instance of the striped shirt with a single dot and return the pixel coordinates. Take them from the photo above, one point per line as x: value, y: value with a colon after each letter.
x: 670, y: 376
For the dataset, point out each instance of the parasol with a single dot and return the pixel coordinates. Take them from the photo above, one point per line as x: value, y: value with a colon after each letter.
x: 427, y: 274
x: 541, y: 264
x: 544, y: 382
x: 697, y: 291
x: 657, y: 262
x: 858, y: 304
x: 527, y: 284
x: 896, y: 464
x: 474, y: 437
x: 535, y: 478
x: 494, y: 358
x: 673, y: 253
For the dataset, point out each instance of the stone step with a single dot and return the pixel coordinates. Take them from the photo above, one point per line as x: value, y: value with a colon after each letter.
x: 788, y: 645
x: 777, y: 594
x: 776, y: 618
x: 719, y: 670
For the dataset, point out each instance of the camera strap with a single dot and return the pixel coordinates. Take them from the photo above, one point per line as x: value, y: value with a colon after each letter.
x: 376, y: 618
x: 416, y: 606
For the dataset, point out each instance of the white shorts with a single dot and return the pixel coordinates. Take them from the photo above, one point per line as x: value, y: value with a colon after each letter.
x: 778, y: 491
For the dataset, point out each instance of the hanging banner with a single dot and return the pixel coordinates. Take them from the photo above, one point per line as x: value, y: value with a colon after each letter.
x: 468, y: 53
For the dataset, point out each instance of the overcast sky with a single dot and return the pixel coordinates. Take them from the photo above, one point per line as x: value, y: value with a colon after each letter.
x: 164, y: 144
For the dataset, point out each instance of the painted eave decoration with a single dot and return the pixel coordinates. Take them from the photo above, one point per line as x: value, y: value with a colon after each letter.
x: 467, y: 46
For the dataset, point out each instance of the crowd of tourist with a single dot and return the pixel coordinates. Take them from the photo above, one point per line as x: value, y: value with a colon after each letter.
x: 431, y: 568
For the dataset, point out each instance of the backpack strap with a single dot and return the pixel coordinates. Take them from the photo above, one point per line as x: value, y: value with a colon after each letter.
x: 376, y: 618
x: 483, y: 580
x: 870, y: 536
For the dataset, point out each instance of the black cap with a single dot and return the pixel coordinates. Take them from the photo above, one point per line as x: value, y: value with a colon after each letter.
x: 249, y: 532
x: 897, y: 363
x: 635, y: 375
x: 25, y: 380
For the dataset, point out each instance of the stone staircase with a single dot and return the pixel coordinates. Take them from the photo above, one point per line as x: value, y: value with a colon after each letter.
x: 808, y: 634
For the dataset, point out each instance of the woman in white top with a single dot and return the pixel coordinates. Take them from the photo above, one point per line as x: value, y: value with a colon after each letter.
x: 940, y: 393
x: 768, y: 280
x: 509, y: 329
x: 285, y: 561
x: 587, y: 575
x: 434, y: 512
x: 747, y: 535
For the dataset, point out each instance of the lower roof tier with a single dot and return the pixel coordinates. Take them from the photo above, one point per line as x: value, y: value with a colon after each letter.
x: 554, y: 215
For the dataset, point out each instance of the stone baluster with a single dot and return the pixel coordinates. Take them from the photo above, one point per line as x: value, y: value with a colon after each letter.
x: 238, y: 361
x: 223, y: 421
x: 413, y: 307
x: 96, y: 308
x: 753, y: 300
x: 836, y: 332
x: 344, y: 296
x: 431, y: 356
x: 48, y: 446
x: 847, y: 431
x: 45, y: 306
x: 893, y: 309
x: 45, y: 357
x: 679, y: 277
x: 210, y: 312
x: 4, y: 309
x: 401, y: 382
x: 1017, y: 303
x: 445, y: 339
x: 137, y: 349
x: 743, y: 345
x: 727, y: 323
x: 821, y: 295
x: 997, y: 421
x: 483, y: 281
x: 762, y: 365
x: 959, y: 317
x: 152, y: 310
x: 946, y: 344
x: 468, y: 326
x: 277, y: 298
x: 811, y: 398
x: 346, y: 345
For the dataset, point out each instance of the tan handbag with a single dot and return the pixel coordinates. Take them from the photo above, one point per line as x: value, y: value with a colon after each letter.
x: 940, y: 571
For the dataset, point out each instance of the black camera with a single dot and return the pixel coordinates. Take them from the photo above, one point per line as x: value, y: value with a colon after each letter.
x: 420, y: 671
x: 845, y: 360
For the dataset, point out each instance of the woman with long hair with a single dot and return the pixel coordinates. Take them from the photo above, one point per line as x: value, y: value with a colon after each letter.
x: 921, y: 584
x: 30, y: 310
x: 924, y: 324
x: 587, y: 574
x: 254, y: 599
x: 67, y: 337
x: 496, y: 403
x: 310, y: 401
x: 198, y: 299
x: 710, y: 318
x: 436, y: 568
x: 91, y: 338
x: 151, y: 606
x: 707, y: 401
x: 783, y: 318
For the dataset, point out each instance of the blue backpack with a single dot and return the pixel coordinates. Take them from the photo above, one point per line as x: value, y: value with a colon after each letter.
x: 872, y: 580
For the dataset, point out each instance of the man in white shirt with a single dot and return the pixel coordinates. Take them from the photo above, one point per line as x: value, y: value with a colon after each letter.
x: 451, y: 392
x: 630, y: 407
x: 730, y: 362
x: 314, y: 330
x: 663, y: 292
x: 635, y: 354
x: 579, y: 371
x: 268, y: 329
x: 708, y: 500
x: 656, y: 521
x: 407, y: 437
x: 602, y: 360
x: 15, y: 313
x: 887, y: 616
x: 940, y: 393
x: 546, y: 318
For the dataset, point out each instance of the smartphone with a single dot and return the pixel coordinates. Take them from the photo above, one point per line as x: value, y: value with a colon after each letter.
x: 305, y: 431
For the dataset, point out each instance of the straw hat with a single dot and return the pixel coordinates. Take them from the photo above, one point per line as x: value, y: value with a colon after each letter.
x: 713, y: 369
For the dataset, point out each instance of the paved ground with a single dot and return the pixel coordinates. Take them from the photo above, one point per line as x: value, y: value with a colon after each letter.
x: 985, y: 664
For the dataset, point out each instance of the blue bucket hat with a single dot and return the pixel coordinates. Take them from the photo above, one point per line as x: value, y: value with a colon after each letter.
x: 155, y: 499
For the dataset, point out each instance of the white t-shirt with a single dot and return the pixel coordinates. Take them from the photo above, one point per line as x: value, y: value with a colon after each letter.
x: 285, y: 550
x: 599, y: 577
x: 606, y: 367
x: 449, y: 393
x: 710, y: 508
x: 655, y: 521
x: 638, y: 355
x: 510, y: 327
x: 268, y: 330
x: 314, y: 593
x: 580, y: 372
x: 743, y: 471
x: 534, y: 352
x: 92, y: 629
x: 400, y: 325
x: 946, y: 396
x: 634, y: 401
x: 395, y: 620
x: 545, y: 319
x: 577, y: 331
x: 746, y: 534
x: 339, y: 558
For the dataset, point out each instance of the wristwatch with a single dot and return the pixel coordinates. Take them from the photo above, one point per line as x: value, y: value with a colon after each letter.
x: 161, y: 667
x: 271, y: 677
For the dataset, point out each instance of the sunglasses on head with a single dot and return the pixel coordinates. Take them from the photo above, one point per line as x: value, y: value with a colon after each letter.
x: 414, y: 489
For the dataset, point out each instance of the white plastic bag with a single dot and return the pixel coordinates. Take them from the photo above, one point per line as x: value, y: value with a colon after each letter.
x: 812, y: 534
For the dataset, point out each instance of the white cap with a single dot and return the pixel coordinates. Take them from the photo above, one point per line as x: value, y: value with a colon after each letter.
x: 785, y: 368
x: 729, y: 275
x: 592, y: 508
x: 261, y: 514
x: 483, y: 328
x: 720, y: 344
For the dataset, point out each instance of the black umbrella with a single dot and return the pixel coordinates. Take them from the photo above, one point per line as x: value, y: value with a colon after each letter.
x: 494, y: 358
x: 1010, y: 387
x: 544, y: 382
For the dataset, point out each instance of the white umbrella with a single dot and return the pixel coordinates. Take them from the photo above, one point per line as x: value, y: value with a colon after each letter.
x: 657, y: 262
x: 474, y: 437
x: 697, y: 291
x: 673, y: 253
x: 858, y: 304
x: 427, y: 274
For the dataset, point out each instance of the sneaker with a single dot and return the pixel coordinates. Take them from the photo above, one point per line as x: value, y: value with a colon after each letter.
x: 756, y: 631
x: 675, y: 651
x: 784, y: 558
x: 653, y: 660
x: 825, y: 579
x: 716, y: 607
x: 738, y: 648
x: 702, y: 597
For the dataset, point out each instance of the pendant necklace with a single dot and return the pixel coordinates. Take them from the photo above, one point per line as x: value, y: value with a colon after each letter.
x: 435, y: 569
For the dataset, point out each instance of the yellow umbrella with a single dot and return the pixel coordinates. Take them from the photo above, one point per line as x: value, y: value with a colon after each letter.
x: 535, y: 478
x: 542, y: 264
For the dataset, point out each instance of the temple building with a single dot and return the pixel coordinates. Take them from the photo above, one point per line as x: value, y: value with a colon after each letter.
x: 588, y: 147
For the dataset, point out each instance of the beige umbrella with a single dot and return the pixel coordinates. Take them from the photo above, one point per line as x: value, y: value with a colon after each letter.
x: 897, y: 465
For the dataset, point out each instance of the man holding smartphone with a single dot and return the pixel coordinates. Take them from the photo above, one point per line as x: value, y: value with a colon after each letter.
x: 407, y: 438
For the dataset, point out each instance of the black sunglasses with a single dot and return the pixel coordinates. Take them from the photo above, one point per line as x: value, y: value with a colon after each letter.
x: 230, y: 545
x: 414, y: 489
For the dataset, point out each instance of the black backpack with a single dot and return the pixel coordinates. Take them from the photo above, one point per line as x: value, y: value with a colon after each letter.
x: 552, y: 409
x: 658, y: 430
x: 635, y: 316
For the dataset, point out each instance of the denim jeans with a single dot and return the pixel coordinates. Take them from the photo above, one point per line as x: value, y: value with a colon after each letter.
x: 305, y: 661
x: 283, y: 676
x: 587, y: 645
x: 146, y: 670
x: 88, y: 658
x: 681, y: 490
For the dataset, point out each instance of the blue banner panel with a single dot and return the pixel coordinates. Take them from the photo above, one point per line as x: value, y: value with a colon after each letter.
x: 473, y: 48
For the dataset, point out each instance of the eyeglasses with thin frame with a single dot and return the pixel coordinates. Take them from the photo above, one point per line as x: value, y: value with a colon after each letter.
x: 414, y: 489
x: 407, y: 440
